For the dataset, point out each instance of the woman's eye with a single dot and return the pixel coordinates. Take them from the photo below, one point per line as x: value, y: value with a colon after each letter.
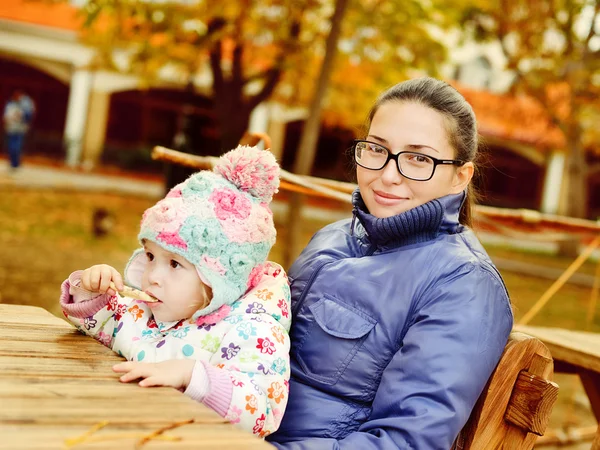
x: 150, y: 256
x: 415, y: 157
x: 377, y: 149
x: 174, y: 264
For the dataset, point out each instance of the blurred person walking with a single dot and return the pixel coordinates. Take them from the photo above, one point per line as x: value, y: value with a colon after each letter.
x: 17, y: 118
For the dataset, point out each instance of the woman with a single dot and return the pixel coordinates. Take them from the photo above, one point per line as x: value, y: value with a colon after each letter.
x: 399, y: 316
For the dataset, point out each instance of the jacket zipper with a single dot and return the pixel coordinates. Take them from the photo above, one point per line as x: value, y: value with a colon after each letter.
x: 305, y: 290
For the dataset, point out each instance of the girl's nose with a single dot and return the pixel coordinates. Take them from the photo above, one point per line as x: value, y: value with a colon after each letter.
x: 390, y: 173
x: 154, y: 277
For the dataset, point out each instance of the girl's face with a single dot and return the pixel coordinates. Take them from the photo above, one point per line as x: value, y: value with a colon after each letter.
x: 174, y: 281
x: 409, y: 126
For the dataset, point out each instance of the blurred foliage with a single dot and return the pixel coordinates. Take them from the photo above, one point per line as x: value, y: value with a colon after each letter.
x: 255, y: 50
x: 553, y: 49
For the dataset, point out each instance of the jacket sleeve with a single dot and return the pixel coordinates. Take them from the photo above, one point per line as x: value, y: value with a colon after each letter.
x: 90, y: 312
x: 110, y: 319
x: 429, y: 388
x: 247, y: 379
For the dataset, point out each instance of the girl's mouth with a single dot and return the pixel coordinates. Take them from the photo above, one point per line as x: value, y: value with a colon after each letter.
x: 151, y: 298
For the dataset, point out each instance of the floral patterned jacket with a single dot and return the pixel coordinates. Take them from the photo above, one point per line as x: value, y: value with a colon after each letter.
x: 242, y: 350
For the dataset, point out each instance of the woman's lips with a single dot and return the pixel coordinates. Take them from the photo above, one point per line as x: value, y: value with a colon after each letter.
x: 385, y: 199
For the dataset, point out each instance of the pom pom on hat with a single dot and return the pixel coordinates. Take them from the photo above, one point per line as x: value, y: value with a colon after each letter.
x: 251, y: 170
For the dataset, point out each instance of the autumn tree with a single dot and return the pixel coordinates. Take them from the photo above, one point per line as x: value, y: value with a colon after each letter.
x: 244, y: 45
x: 381, y: 42
x: 249, y: 48
x: 553, y: 49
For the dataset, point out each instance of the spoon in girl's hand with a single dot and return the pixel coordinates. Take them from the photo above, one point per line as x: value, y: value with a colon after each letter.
x: 130, y: 292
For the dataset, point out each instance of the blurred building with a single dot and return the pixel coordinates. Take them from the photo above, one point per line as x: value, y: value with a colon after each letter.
x: 87, y: 115
x: 524, y: 165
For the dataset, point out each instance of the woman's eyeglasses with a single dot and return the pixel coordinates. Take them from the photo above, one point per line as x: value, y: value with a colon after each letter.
x: 412, y: 165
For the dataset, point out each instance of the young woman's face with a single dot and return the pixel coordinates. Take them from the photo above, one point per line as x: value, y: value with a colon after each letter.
x: 409, y: 126
x: 174, y: 281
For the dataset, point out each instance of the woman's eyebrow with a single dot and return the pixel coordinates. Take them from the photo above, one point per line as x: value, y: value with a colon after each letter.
x: 420, y: 146
x: 409, y: 146
x: 378, y: 138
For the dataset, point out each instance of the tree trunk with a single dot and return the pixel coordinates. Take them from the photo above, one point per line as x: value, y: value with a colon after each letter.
x: 184, y: 141
x: 310, y: 135
x: 305, y: 155
x: 232, y: 126
x: 577, y: 181
x: 576, y: 195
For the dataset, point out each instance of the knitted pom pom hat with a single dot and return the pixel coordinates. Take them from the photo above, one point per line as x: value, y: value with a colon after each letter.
x: 218, y: 220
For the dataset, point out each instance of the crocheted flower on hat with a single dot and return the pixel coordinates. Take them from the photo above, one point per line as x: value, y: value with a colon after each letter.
x: 218, y: 220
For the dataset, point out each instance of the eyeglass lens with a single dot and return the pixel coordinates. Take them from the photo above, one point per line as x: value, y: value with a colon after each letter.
x: 412, y: 165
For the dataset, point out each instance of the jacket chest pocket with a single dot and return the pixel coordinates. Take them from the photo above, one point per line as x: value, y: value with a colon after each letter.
x: 332, y: 340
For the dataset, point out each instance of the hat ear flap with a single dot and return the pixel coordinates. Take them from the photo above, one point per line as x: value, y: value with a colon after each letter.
x: 134, y: 270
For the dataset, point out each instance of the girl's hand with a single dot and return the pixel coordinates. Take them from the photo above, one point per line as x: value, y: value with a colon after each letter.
x: 174, y: 372
x: 97, y: 279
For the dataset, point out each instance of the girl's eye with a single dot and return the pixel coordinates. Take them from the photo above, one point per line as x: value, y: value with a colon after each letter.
x: 174, y: 264
x: 150, y: 256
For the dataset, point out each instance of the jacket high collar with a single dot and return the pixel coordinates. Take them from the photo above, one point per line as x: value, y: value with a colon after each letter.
x: 420, y: 224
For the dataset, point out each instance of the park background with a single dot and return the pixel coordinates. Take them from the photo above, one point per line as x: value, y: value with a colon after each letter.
x: 111, y: 80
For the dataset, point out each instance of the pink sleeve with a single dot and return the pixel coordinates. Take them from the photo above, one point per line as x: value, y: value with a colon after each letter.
x: 211, y: 386
x: 79, y: 302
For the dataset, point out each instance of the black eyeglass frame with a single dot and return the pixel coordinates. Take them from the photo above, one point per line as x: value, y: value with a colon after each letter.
x: 436, y: 161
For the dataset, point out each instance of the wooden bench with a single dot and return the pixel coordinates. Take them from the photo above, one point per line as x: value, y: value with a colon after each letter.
x: 514, y: 408
x: 578, y: 353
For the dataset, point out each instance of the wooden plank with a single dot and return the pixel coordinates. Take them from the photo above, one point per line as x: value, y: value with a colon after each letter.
x: 579, y: 348
x: 52, y: 401
x: 119, y: 436
x: 131, y: 410
x: 37, y: 333
x: 81, y: 348
x: 531, y: 402
x: 30, y: 315
x: 91, y: 368
x: 42, y: 388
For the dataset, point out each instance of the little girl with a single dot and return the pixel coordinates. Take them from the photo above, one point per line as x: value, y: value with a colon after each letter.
x: 216, y: 315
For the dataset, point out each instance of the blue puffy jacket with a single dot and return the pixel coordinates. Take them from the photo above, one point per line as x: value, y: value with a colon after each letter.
x: 397, y: 326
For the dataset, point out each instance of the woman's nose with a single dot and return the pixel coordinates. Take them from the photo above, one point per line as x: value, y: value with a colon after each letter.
x: 390, y: 173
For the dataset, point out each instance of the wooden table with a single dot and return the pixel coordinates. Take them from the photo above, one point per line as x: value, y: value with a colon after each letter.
x: 56, y: 385
x: 574, y: 352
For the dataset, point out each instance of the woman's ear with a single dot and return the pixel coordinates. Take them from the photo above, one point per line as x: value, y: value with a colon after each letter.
x: 462, y: 177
